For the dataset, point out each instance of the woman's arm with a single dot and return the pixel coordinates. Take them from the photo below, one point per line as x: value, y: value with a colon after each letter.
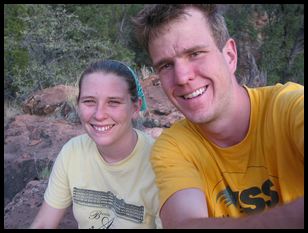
x: 48, y: 217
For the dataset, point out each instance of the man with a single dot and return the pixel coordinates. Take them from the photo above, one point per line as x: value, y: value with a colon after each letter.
x: 240, y: 150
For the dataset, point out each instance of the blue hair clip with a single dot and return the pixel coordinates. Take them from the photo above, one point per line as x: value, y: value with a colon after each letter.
x: 139, y: 90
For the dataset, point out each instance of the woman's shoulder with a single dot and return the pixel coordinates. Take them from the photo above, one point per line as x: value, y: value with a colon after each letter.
x: 145, y: 137
x: 75, y: 149
x: 79, y: 142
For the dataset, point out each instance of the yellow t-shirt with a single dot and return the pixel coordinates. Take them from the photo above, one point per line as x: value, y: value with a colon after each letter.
x: 265, y: 169
x: 122, y: 195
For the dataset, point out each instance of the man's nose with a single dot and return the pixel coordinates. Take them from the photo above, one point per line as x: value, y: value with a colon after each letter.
x: 183, y: 72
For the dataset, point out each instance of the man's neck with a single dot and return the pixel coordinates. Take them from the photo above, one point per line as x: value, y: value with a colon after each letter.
x: 231, y: 128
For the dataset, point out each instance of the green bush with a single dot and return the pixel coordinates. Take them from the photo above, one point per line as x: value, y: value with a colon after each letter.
x: 55, y: 47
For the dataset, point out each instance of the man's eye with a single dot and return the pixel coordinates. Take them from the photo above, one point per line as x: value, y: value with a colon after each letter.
x: 164, y: 67
x: 195, y: 54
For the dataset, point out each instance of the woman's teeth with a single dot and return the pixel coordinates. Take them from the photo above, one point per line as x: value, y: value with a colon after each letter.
x: 102, y: 128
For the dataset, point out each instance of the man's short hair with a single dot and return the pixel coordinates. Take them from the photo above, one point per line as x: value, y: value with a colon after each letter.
x: 150, y: 20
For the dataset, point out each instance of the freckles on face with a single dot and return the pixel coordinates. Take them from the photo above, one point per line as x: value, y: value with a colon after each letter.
x: 104, y: 93
x: 105, y: 108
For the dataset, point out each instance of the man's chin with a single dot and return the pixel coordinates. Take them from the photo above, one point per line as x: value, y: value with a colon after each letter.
x: 196, y: 118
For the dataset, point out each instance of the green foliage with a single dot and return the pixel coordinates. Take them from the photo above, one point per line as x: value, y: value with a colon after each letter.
x: 283, y: 47
x: 43, y: 168
x: 111, y: 22
x: 58, y: 47
x: 51, y: 44
x: 277, y: 45
x: 239, y: 23
x: 298, y: 69
x: 45, y: 173
x: 15, y: 57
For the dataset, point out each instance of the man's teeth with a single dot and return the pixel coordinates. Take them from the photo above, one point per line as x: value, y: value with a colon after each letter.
x: 195, y: 93
x: 103, y: 128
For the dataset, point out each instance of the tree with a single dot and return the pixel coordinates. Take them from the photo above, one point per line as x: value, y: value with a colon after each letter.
x: 241, y: 21
x: 15, y: 57
x: 58, y: 45
x: 283, y: 47
x: 270, y: 39
x: 110, y: 22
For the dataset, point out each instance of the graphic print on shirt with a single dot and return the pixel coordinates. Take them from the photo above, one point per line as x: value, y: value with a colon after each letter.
x: 248, y: 201
x: 117, y: 208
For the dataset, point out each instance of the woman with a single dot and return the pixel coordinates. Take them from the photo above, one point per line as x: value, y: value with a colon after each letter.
x: 106, y: 173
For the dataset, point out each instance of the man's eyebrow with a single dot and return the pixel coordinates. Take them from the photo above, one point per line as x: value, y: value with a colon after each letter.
x: 185, y: 51
x: 160, y: 62
x: 194, y: 49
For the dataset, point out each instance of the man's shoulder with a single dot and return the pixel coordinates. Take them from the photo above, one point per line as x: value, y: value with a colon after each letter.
x: 278, y: 92
x: 279, y: 87
x: 179, y: 126
x: 289, y: 92
x: 180, y: 131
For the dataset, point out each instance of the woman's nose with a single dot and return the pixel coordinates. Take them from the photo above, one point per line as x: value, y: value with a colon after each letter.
x: 100, y: 113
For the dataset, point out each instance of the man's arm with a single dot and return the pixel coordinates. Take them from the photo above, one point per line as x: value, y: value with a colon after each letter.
x: 183, y: 206
x: 188, y: 209
x: 48, y: 217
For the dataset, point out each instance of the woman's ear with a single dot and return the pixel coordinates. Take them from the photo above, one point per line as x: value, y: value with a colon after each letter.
x: 230, y: 54
x: 137, y: 106
x: 77, y: 109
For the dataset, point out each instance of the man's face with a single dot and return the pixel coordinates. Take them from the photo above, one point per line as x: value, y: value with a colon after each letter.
x: 194, y: 74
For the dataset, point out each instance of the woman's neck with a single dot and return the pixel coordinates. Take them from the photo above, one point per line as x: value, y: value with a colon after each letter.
x: 119, y: 150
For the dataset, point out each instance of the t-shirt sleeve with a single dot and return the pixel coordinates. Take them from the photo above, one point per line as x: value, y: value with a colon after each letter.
x: 297, y: 119
x: 174, y: 170
x: 58, y: 194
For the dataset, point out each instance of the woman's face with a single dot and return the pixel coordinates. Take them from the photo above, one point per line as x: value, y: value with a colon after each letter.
x: 105, y: 108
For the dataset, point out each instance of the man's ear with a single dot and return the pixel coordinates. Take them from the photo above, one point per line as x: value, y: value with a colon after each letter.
x: 230, y: 54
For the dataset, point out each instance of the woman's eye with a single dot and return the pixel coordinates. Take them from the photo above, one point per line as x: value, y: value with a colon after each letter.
x: 114, y: 103
x: 88, y: 101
